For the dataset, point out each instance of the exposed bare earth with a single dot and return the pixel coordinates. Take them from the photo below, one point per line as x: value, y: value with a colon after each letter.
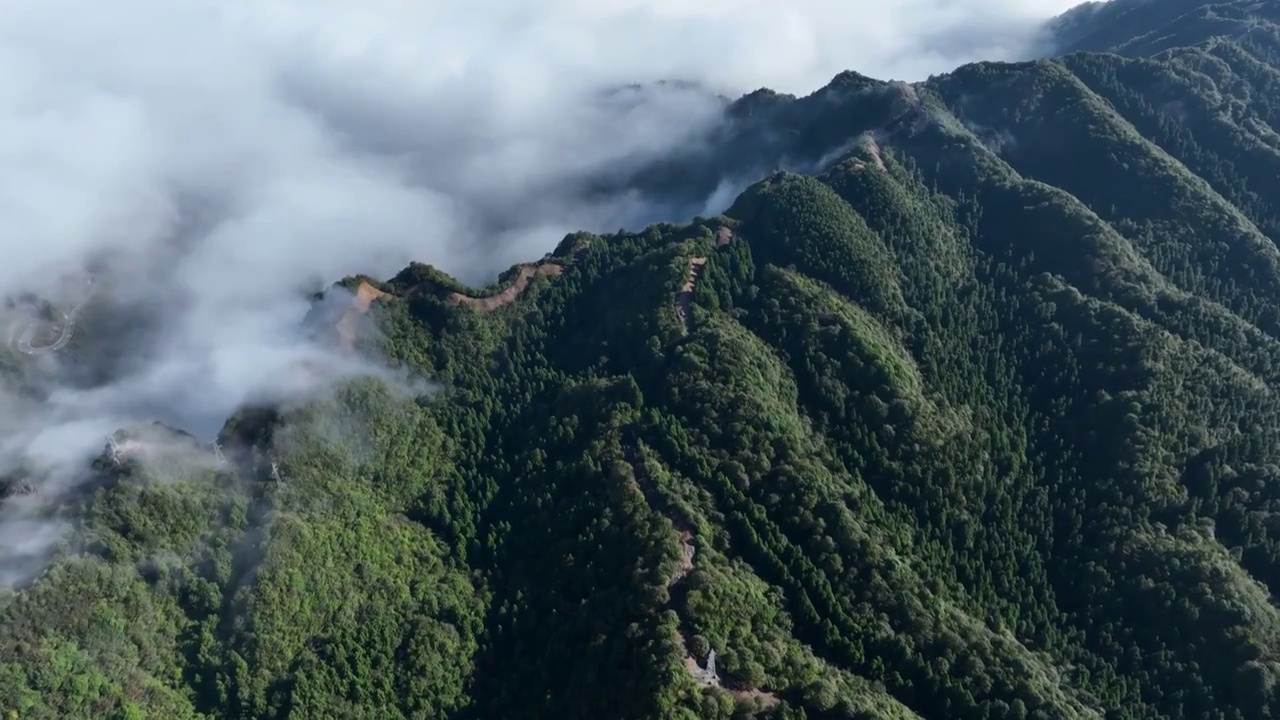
x: 695, y: 670
x: 366, y: 294
x: 876, y: 158
x: 348, y: 323
x: 513, y: 291
x: 684, y: 298
x: 724, y: 235
x: 874, y: 148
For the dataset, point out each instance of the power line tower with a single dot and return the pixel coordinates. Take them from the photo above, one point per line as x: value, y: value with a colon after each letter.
x: 217, y: 453
x: 275, y: 473
x: 114, y: 448
x: 711, y: 667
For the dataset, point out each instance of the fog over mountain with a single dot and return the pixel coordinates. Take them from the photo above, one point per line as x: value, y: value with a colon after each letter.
x: 911, y: 388
x: 225, y: 154
x: 214, y: 162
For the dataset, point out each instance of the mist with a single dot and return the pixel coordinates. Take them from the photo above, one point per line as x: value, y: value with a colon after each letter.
x: 213, y: 161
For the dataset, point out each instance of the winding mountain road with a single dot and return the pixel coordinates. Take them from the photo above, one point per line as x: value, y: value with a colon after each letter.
x: 23, y: 343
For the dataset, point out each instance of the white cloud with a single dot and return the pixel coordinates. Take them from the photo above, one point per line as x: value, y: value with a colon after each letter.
x: 226, y: 152
x: 319, y: 123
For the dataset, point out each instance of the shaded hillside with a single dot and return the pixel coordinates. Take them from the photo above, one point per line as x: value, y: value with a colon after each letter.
x: 976, y: 418
x: 1145, y: 27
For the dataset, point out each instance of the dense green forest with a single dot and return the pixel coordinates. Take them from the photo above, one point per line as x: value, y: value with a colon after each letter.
x: 975, y: 419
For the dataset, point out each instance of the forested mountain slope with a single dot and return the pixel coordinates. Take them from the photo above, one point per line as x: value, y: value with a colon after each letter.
x: 978, y: 419
x: 1142, y: 27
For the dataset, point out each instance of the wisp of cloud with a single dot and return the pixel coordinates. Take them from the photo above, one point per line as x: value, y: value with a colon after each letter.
x: 213, y: 160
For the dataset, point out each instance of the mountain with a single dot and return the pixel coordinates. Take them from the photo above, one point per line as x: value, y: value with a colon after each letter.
x: 965, y: 407
x: 1145, y: 27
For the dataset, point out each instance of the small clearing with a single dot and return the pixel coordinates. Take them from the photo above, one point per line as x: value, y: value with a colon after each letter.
x: 709, y: 677
x: 513, y: 291
x: 684, y: 298
x: 348, y: 323
x: 699, y: 673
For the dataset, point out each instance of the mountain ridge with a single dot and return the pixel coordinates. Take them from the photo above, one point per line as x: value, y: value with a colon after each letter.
x: 975, y: 418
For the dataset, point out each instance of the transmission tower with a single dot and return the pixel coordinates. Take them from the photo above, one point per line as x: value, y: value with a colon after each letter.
x: 217, y: 453
x: 711, y: 667
x: 275, y: 473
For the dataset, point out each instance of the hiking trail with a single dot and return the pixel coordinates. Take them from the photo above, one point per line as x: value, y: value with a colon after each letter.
x: 707, y: 676
x: 512, y: 291
x: 684, y: 298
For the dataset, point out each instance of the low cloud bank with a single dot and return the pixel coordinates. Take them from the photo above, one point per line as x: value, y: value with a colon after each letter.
x: 212, y: 160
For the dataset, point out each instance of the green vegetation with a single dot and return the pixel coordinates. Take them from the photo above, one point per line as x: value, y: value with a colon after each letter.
x: 979, y: 422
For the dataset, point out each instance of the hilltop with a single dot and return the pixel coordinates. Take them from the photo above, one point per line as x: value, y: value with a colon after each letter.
x: 965, y: 407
